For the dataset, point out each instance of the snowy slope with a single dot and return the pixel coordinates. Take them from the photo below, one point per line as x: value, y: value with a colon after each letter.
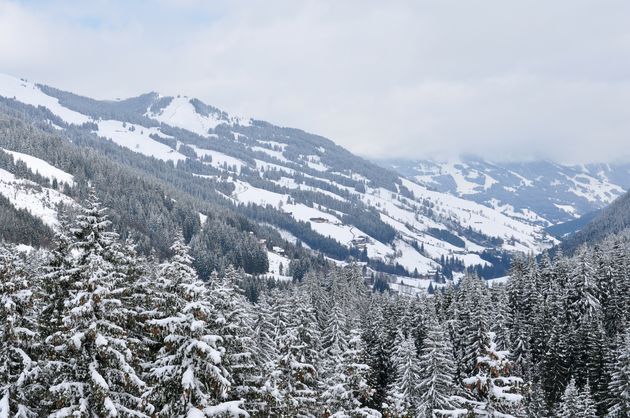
x: 37, y: 165
x: 539, y: 192
x: 40, y: 202
x: 181, y: 113
x: 138, y: 139
x: 27, y: 92
x: 315, y: 181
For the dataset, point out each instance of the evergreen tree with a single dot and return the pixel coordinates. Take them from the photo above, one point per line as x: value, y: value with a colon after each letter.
x: 619, y: 385
x: 576, y: 403
x: 437, y: 384
x: 188, y: 376
x: 404, y: 394
x: 18, y: 332
x: 347, y: 390
x: 235, y: 325
x: 88, y: 366
x: 491, y: 382
x: 569, y: 406
x: 297, y: 376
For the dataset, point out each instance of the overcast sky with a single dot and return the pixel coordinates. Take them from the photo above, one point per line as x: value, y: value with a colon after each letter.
x: 499, y: 78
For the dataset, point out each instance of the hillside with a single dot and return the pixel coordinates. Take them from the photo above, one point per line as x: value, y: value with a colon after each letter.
x: 541, y: 192
x: 612, y: 220
x: 162, y: 163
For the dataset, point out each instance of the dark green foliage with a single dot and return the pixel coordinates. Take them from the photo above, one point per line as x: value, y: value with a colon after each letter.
x: 20, y: 227
x: 444, y: 235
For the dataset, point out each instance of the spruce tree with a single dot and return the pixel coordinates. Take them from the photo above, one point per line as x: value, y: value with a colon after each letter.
x: 576, y: 402
x: 296, y: 368
x: 405, y: 392
x: 347, y: 390
x: 18, y: 333
x: 188, y: 375
x: 491, y: 382
x: 235, y: 325
x: 619, y: 385
x: 87, y: 359
x: 437, y: 370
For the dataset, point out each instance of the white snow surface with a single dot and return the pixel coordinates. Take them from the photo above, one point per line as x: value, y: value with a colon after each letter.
x: 136, y: 138
x: 182, y: 114
x: 274, y: 266
x: 42, y: 167
x: 219, y: 159
x: 39, y: 201
x: 28, y: 93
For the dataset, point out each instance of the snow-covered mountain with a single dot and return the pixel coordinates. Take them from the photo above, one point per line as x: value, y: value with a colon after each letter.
x: 338, y: 204
x: 540, y: 192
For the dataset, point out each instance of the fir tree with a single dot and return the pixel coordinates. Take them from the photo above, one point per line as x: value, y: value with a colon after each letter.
x: 89, y: 369
x: 491, y: 382
x: 297, y: 377
x: 576, y: 403
x: 188, y: 376
x: 347, y: 390
x: 619, y: 385
x: 437, y: 384
x: 234, y: 324
x: 404, y: 394
x: 17, y: 334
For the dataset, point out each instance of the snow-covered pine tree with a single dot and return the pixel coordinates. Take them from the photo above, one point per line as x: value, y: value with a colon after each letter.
x: 334, y: 337
x: 437, y: 368
x: 535, y: 402
x: 619, y: 384
x: 615, y: 288
x: 553, y: 370
x: 471, y: 324
x: 582, y: 293
x: 87, y: 361
x: 188, y: 377
x: 272, y: 321
x: 568, y: 407
x: 235, y: 326
x: 404, y: 394
x: 53, y: 283
x: 18, y: 332
x: 503, y: 319
x: 347, y: 391
x: 297, y: 375
x: 140, y: 300
x: 587, y: 405
x: 375, y: 336
x: 491, y: 382
x: 576, y: 403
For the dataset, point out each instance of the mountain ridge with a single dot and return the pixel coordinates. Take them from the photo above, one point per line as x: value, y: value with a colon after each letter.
x: 301, y: 184
x: 543, y: 192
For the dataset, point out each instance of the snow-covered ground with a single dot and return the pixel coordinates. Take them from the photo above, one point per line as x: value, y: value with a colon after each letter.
x: 137, y: 138
x: 498, y: 280
x: 27, y: 92
x: 275, y: 263
x: 182, y: 114
x: 42, y: 167
x: 219, y: 159
x: 38, y: 201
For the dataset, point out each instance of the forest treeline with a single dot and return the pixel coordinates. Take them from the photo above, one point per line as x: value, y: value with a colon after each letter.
x: 93, y: 329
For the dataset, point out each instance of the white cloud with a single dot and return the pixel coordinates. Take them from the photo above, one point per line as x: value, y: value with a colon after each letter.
x: 403, y: 78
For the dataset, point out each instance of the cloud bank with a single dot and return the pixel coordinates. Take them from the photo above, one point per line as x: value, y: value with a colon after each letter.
x: 503, y: 80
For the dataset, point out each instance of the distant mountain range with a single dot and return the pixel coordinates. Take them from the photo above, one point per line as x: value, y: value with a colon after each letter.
x: 160, y: 161
x: 540, y: 192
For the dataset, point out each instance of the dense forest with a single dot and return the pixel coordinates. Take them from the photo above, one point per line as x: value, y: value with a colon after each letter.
x: 91, y: 328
